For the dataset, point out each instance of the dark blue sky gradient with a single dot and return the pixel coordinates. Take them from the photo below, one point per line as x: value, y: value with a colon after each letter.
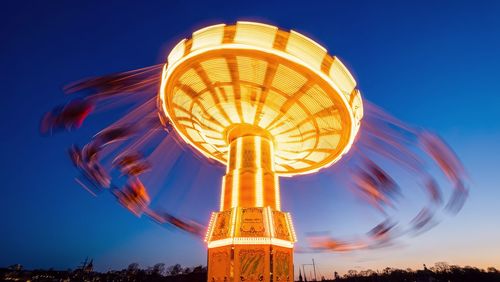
x: 433, y: 64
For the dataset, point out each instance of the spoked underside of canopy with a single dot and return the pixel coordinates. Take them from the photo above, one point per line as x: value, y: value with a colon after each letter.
x: 254, y: 74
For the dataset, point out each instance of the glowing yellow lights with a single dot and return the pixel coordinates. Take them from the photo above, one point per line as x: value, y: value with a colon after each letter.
x: 309, y: 51
x: 248, y: 222
x: 249, y: 175
x: 223, y: 194
x: 291, y: 228
x: 270, y: 220
x: 176, y: 53
x: 250, y: 241
x: 210, y: 226
x: 259, y: 188
x: 259, y: 185
x: 277, y: 192
x: 266, y: 103
x: 282, y: 82
x: 235, y: 194
x: 235, y: 183
x: 233, y: 224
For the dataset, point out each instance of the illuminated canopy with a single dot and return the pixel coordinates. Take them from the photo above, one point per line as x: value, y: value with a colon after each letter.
x: 281, y: 82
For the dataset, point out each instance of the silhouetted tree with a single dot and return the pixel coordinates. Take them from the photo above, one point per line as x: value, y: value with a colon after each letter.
x: 492, y: 270
x: 186, y: 270
x: 352, y: 273
x: 336, y: 275
x: 159, y: 269
x: 441, y: 266
x: 133, y: 267
x: 198, y: 269
x: 174, y: 269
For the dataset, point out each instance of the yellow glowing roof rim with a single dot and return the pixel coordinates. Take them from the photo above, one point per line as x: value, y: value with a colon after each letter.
x: 177, y: 56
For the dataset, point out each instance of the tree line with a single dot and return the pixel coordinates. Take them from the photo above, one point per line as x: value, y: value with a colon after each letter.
x: 441, y: 271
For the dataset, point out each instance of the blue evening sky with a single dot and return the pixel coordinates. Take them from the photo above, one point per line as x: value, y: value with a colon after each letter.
x: 433, y: 64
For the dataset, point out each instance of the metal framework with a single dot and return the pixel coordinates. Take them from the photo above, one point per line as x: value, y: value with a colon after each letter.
x: 264, y: 102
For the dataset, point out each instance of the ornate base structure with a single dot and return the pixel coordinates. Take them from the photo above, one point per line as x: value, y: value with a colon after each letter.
x: 250, y: 244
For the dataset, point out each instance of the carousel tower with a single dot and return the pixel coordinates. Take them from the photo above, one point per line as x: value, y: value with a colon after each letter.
x: 265, y: 103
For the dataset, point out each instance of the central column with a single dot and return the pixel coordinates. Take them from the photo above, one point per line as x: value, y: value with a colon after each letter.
x: 250, y: 239
x: 250, y: 180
